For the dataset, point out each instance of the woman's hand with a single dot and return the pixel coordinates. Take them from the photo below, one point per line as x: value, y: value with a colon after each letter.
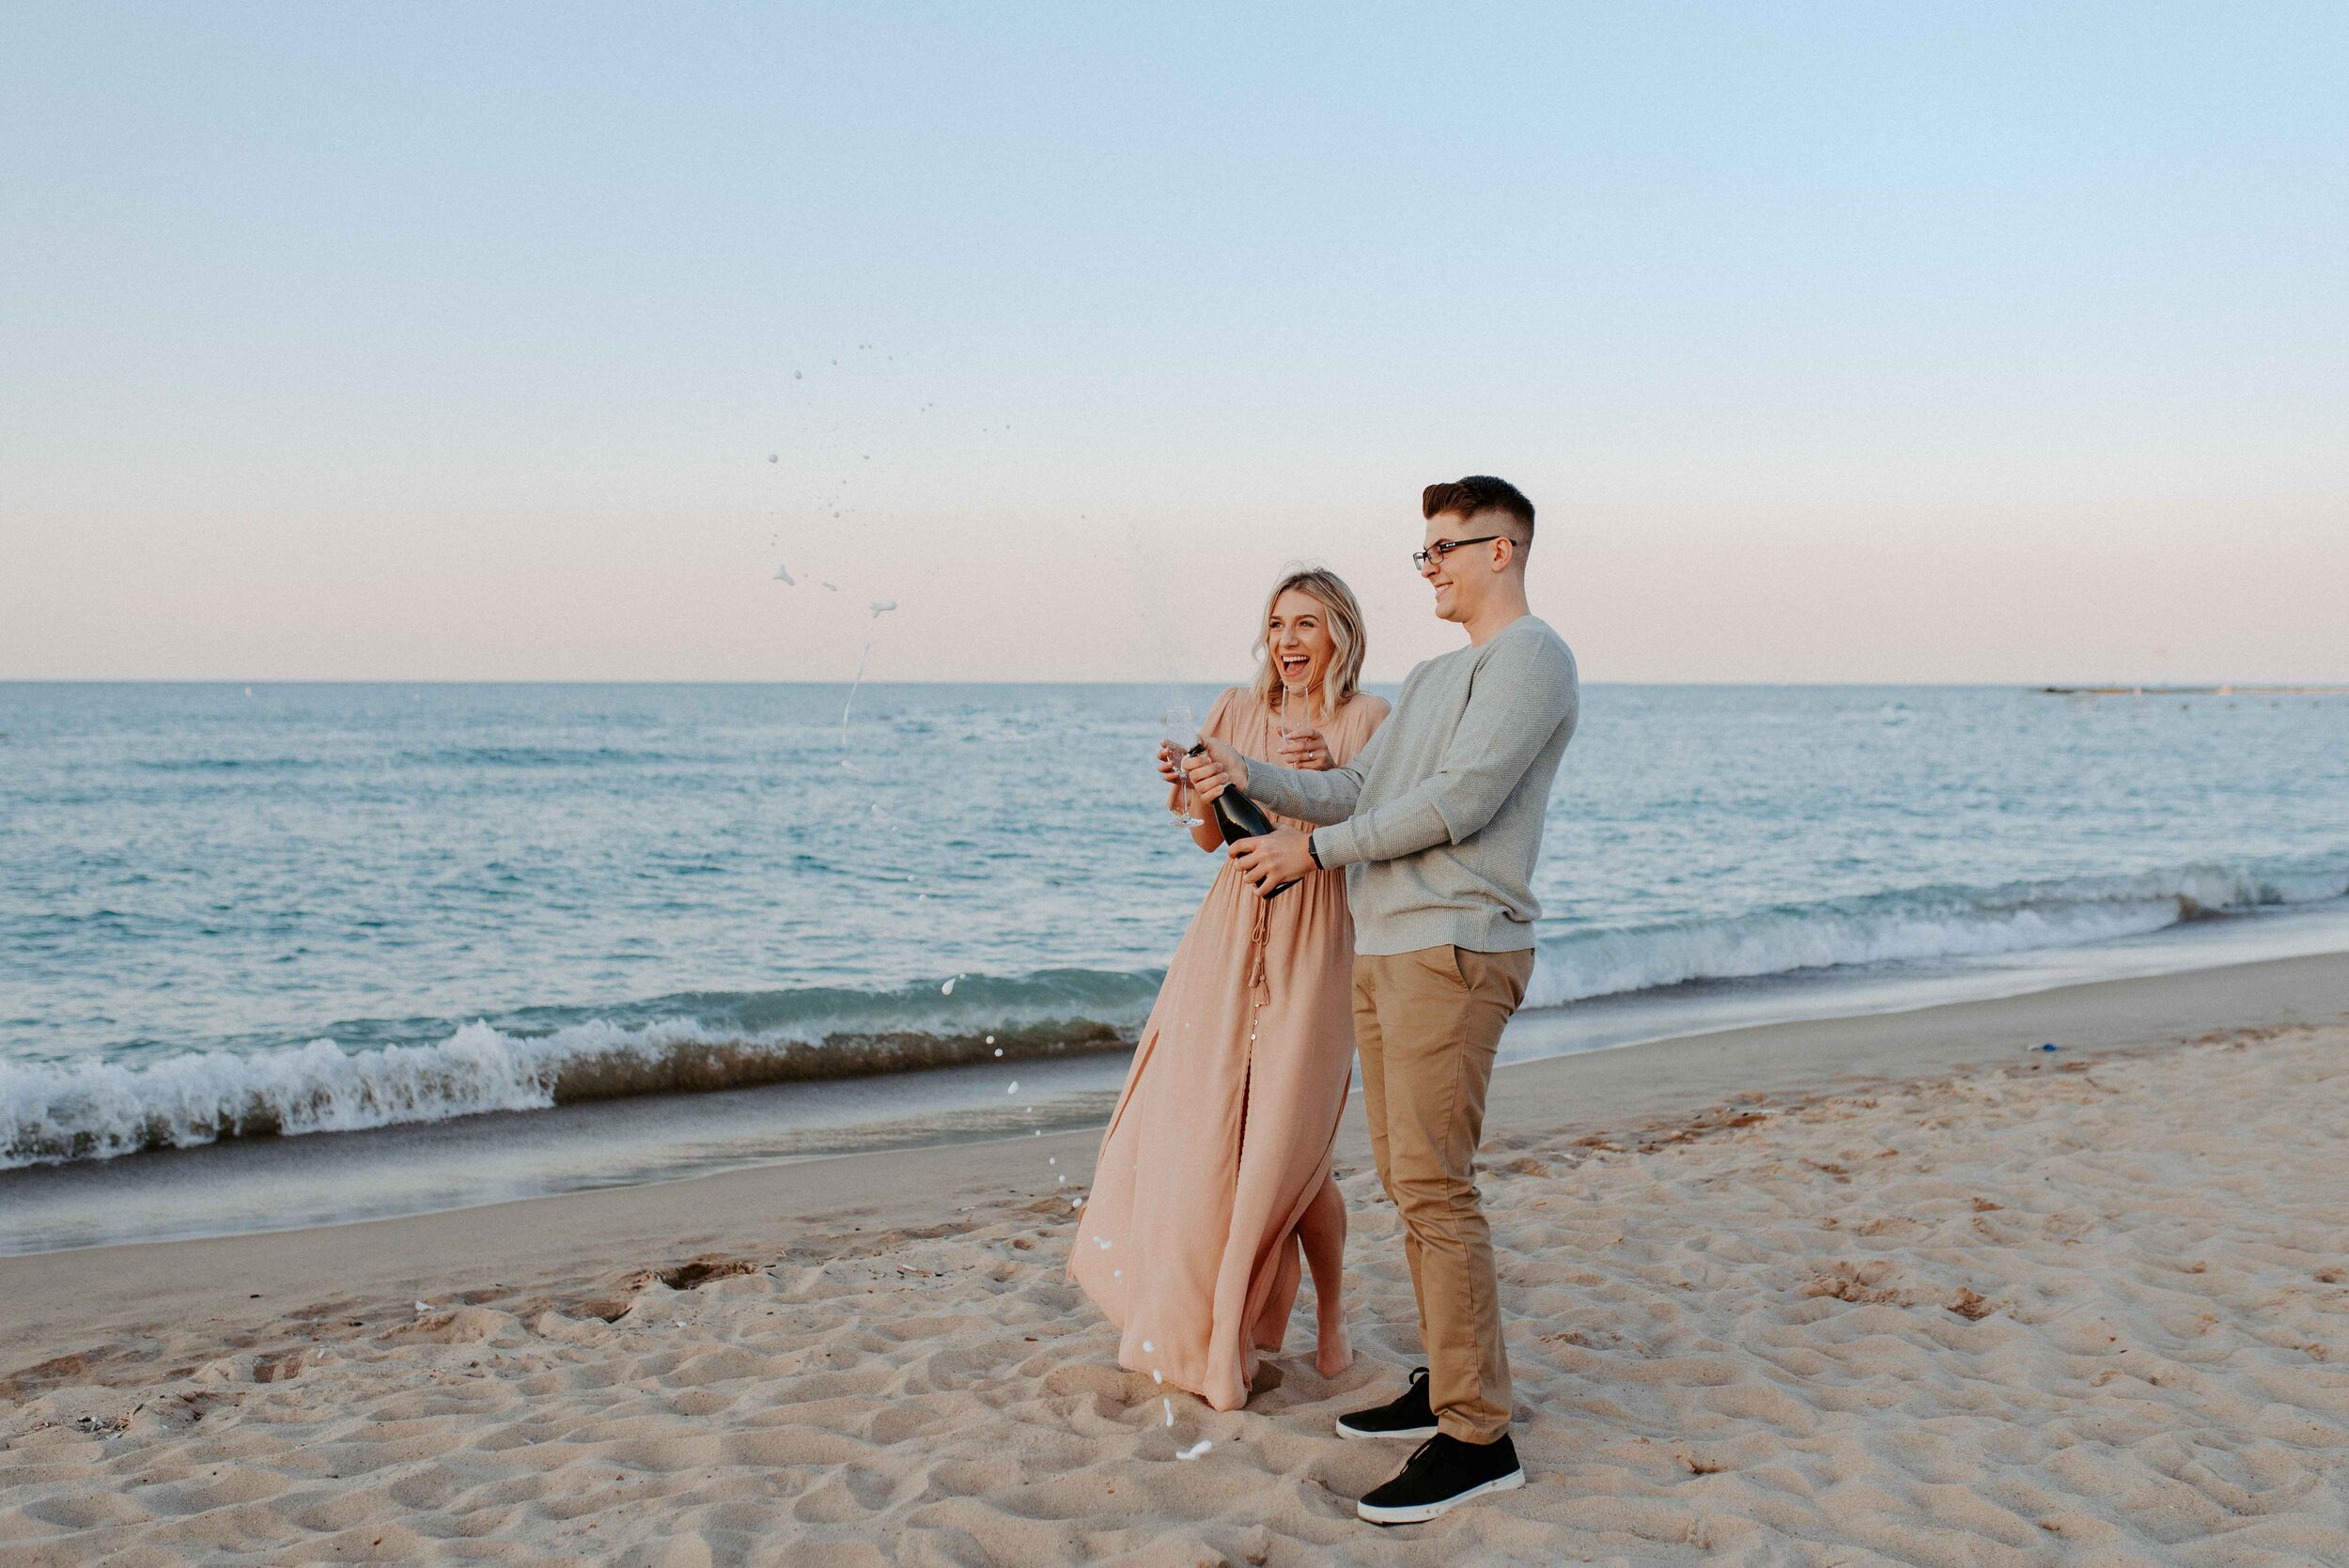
x: 1308, y: 749
x: 1170, y: 762
x: 1214, y: 769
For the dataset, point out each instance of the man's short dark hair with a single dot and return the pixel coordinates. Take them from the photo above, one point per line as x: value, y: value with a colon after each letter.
x: 1479, y: 493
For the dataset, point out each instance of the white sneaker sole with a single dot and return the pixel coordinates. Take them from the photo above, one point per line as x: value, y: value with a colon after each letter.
x: 1412, y: 1433
x: 1420, y: 1513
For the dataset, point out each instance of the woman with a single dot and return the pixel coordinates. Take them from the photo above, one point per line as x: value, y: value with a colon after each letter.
x: 1215, y: 1165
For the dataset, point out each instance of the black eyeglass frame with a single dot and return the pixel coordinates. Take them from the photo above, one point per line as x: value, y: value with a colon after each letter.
x: 1442, y: 548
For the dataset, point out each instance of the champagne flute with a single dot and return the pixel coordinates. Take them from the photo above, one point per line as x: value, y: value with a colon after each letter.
x: 1286, y: 733
x: 1179, y: 726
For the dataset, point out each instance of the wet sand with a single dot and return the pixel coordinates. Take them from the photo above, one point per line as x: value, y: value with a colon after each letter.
x: 1887, y: 1289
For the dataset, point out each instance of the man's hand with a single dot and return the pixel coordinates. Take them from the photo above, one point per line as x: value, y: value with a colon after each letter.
x: 1280, y: 856
x: 1215, y: 769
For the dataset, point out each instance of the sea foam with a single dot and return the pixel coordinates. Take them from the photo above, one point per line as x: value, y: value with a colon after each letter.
x: 52, y: 1113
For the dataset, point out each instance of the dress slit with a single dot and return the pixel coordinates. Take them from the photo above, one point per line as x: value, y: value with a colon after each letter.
x: 1188, y: 1240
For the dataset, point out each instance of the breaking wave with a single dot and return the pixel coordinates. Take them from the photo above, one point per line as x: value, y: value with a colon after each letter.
x: 373, y: 1074
x: 1912, y: 925
x: 55, y: 1112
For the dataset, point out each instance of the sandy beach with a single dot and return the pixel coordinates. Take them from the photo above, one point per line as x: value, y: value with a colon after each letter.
x: 1896, y: 1289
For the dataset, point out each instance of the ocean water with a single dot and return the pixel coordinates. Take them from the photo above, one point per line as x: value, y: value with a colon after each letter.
x: 230, y: 911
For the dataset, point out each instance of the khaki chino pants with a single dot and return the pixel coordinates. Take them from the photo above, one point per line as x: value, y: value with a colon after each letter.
x: 1427, y: 1024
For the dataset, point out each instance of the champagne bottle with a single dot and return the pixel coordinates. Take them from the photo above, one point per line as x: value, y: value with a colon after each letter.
x: 1237, y: 817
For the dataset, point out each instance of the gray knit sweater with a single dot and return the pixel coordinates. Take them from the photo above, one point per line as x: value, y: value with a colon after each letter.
x: 1438, y: 819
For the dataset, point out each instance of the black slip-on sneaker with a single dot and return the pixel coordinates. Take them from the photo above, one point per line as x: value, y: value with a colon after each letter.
x: 1442, y: 1474
x: 1408, y: 1416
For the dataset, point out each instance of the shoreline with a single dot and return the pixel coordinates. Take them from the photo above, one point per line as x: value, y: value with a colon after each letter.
x: 1899, y: 1287
x: 407, y: 1169
x: 1585, y: 1092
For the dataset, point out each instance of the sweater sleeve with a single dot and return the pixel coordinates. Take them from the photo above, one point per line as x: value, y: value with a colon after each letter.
x: 1516, y: 703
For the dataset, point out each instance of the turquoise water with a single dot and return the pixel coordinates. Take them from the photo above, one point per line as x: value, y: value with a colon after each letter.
x: 309, y: 908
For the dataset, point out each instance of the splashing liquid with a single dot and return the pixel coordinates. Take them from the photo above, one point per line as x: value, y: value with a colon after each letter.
x: 848, y: 706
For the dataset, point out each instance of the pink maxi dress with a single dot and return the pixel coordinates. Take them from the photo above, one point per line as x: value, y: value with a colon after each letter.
x: 1223, y: 1132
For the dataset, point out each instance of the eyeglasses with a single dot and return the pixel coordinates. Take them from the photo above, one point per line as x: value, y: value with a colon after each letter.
x: 1441, y: 548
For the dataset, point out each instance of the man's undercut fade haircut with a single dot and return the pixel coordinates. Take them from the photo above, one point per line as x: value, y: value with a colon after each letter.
x: 1480, y: 492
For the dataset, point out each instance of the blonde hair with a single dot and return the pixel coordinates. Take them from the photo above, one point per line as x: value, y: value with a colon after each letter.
x: 1344, y: 676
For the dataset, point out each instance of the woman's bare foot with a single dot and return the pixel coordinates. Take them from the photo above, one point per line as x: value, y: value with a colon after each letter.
x: 1322, y: 1231
x: 1336, y: 1353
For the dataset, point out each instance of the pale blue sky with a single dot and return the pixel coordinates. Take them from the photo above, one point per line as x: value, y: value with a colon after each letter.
x: 1836, y: 341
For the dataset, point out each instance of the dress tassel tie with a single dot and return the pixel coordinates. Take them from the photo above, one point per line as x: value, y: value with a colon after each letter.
x: 1259, y: 936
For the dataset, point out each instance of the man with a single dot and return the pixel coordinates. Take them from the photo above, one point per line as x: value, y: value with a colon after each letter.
x: 1437, y: 822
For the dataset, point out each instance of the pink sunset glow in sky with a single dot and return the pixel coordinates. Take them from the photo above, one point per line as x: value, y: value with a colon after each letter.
x: 1842, y: 343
